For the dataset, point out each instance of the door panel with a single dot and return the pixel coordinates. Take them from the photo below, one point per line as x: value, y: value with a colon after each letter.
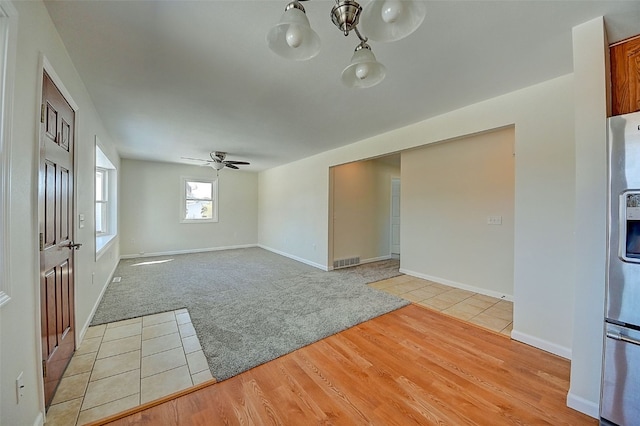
x: 49, y: 204
x: 65, y: 131
x: 65, y: 204
x: 48, y: 296
x: 56, y: 227
x: 51, y: 125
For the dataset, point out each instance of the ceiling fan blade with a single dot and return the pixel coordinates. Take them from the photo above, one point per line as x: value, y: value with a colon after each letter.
x: 196, y: 159
x: 231, y: 166
x: 242, y: 163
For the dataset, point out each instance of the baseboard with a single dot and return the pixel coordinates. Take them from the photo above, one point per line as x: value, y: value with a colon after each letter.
x: 583, y: 405
x: 375, y: 259
x: 299, y: 259
x: 462, y: 286
x: 85, y: 326
x: 545, y: 345
x: 39, y: 421
x: 189, y: 251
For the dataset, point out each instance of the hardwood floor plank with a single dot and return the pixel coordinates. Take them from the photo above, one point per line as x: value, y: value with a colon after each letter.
x: 453, y: 386
x: 523, y: 382
x: 411, y: 366
x: 260, y: 403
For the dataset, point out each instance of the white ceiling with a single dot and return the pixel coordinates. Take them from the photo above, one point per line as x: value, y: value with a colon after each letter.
x: 183, y: 78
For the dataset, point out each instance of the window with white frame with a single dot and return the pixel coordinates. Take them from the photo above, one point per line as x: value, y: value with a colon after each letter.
x: 106, y: 196
x: 199, y: 200
x: 8, y: 41
x: 102, y: 201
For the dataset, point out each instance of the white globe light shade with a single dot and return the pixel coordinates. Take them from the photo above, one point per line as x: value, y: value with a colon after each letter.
x: 293, y: 38
x: 391, y: 20
x: 363, y: 71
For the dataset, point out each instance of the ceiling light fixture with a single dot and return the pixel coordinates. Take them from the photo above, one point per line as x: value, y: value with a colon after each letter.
x: 382, y: 20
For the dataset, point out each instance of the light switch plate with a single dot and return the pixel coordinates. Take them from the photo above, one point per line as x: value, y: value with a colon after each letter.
x: 494, y: 220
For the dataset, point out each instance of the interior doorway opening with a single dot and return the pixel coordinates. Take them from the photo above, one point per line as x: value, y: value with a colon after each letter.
x: 365, y: 221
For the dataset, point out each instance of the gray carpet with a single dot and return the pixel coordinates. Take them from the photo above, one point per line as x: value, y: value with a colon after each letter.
x: 248, y: 306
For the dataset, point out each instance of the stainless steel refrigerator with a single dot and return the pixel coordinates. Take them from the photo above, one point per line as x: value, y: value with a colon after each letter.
x: 620, y: 398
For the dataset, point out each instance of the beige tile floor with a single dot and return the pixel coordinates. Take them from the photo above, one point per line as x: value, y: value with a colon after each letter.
x: 127, y: 363
x: 485, y: 311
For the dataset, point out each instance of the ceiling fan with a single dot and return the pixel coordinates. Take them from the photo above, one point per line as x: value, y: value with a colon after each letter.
x: 218, y: 161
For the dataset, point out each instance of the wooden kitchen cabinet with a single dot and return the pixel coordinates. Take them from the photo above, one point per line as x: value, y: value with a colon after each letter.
x: 625, y: 76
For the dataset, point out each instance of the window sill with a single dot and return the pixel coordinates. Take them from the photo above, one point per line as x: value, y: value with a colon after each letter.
x: 103, y: 242
x: 199, y: 221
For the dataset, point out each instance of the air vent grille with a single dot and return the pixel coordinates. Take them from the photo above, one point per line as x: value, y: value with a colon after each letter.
x: 343, y: 263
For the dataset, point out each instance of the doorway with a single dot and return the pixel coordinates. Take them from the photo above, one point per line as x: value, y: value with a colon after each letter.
x: 361, y: 196
x: 55, y: 212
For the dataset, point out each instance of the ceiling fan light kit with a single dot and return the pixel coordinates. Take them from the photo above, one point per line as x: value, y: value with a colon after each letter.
x: 382, y: 20
x: 218, y: 161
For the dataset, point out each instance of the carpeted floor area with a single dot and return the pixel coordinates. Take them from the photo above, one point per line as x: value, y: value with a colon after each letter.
x: 248, y: 306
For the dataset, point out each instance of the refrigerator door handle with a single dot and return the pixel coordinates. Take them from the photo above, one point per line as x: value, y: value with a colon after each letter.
x: 622, y: 338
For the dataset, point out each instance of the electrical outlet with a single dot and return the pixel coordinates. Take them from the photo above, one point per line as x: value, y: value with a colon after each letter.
x: 494, y: 220
x: 19, y: 387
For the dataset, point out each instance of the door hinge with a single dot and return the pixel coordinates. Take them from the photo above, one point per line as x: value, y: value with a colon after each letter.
x: 44, y: 368
x: 41, y: 241
x: 42, y: 113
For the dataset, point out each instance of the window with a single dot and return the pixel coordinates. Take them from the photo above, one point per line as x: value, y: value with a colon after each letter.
x: 8, y: 38
x: 102, y: 189
x: 199, y: 203
x: 106, y: 224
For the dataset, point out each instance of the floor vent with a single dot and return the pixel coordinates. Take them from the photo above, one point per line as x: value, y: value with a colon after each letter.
x: 116, y: 279
x: 343, y: 263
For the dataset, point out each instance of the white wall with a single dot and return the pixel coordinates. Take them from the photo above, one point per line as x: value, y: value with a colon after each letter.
x: 150, y: 207
x: 362, y: 209
x: 19, y: 318
x: 293, y: 210
x: 590, y: 54
x: 293, y: 199
x: 448, y: 191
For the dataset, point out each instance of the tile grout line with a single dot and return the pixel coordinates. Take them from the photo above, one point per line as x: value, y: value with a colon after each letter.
x: 389, y: 286
x: 187, y: 378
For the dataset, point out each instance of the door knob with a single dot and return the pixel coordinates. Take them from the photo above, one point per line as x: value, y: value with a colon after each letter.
x: 73, y: 246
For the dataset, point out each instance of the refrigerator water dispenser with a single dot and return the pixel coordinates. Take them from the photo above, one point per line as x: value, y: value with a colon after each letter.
x: 630, y: 224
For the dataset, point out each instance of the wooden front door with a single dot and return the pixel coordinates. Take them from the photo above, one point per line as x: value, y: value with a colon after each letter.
x: 56, y: 235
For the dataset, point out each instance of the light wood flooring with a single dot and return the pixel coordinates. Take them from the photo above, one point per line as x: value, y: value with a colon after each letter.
x: 411, y: 366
